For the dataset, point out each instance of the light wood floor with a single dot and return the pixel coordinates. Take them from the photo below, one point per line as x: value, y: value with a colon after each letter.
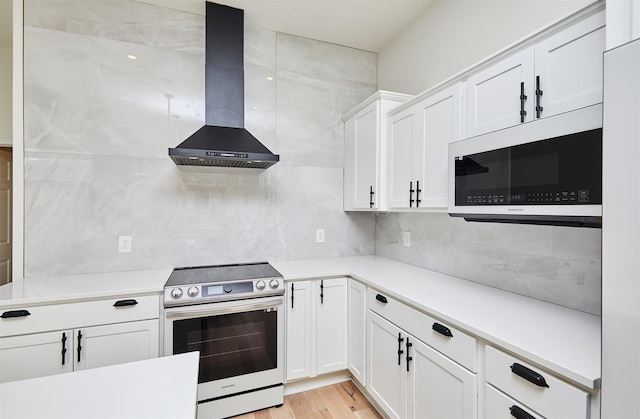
x: 342, y: 400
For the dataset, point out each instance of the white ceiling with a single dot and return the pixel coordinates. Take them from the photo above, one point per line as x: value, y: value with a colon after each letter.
x: 363, y: 24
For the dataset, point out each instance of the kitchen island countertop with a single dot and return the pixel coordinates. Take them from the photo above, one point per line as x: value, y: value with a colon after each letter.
x: 155, y: 388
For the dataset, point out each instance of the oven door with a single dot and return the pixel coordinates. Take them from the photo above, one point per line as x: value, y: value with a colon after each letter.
x: 241, y: 343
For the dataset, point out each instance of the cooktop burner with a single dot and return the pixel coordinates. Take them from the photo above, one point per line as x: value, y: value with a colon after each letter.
x: 203, y: 284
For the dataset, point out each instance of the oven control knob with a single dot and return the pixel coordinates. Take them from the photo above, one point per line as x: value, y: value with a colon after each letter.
x: 260, y: 285
x: 176, y: 293
x: 274, y: 283
x: 193, y: 291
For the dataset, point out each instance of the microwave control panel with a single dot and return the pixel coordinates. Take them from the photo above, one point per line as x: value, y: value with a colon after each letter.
x: 553, y: 198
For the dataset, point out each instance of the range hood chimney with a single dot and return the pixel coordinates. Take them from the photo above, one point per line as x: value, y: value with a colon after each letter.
x: 223, y: 141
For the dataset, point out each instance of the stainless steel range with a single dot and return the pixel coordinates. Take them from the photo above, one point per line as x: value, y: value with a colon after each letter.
x: 233, y: 315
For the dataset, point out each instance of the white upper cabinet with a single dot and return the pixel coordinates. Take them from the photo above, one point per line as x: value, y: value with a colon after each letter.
x: 417, y: 148
x: 365, y: 130
x: 438, y: 125
x: 402, y: 159
x: 569, y: 67
x: 560, y: 73
x: 493, y: 95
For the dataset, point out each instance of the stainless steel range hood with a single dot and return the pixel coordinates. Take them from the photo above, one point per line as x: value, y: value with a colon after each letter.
x: 223, y: 141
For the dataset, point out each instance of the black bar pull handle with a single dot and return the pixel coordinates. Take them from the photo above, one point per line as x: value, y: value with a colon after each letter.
x: 409, y: 358
x: 371, y: 193
x: 518, y: 413
x: 443, y: 330
x: 400, y: 351
x: 125, y: 303
x: 418, y: 190
x: 529, y: 375
x: 381, y: 298
x: 538, y: 95
x: 292, y: 295
x: 523, y: 98
x: 411, y: 191
x: 15, y: 313
x: 64, y: 346
x: 79, y: 349
x: 322, y: 291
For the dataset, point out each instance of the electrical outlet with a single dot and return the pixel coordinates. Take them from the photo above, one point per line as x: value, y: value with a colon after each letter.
x: 320, y: 235
x: 124, y: 244
x: 406, y: 239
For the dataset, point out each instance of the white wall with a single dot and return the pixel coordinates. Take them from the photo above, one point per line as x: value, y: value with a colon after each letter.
x: 452, y: 35
x: 6, y: 63
x: 98, y: 125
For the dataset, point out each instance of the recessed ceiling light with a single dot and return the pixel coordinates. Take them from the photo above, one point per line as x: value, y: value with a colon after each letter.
x: 269, y: 78
x: 255, y: 108
x: 132, y: 57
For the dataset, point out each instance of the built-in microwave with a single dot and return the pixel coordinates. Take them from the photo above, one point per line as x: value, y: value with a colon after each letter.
x: 544, y: 172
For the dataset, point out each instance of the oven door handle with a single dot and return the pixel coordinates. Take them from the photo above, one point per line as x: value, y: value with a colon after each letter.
x: 221, y: 311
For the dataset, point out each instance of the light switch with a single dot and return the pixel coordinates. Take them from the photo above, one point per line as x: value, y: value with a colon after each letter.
x: 406, y: 239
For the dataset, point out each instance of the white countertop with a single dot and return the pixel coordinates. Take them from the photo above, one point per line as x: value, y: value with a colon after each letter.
x: 61, y: 289
x: 155, y: 388
x: 563, y: 340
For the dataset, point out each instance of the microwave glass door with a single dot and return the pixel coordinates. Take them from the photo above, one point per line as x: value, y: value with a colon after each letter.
x: 565, y: 170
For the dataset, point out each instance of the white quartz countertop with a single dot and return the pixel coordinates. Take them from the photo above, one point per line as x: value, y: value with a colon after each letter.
x: 60, y: 289
x: 560, y: 339
x: 563, y: 340
x: 155, y: 388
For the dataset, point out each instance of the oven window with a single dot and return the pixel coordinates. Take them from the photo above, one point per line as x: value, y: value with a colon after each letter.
x: 231, y: 344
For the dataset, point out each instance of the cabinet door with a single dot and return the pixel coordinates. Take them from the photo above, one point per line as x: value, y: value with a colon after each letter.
x: 385, y: 374
x: 365, y: 148
x: 331, y: 325
x: 438, y: 387
x: 112, y: 344
x: 402, y: 158
x: 300, y: 331
x: 357, y: 318
x: 438, y: 125
x: 36, y: 355
x: 569, y: 65
x: 493, y: 94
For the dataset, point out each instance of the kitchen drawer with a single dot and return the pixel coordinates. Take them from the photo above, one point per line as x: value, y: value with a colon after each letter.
x: 498, y: 405
x: 459, y: 346
x: 81, y: 314
x: 556, y: 398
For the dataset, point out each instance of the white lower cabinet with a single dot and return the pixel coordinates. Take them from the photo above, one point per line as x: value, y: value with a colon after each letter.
x: 25, y: 354
x: 316, y: 327
x: 498, y: 405
x: 409, y: 379
x: 116, y: 344
x: 357, y: 328
x: 535, y: 388
x: 35, y: 355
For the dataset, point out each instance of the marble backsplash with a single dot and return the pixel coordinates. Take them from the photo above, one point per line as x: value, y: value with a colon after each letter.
x: 98, y: 125
x: 561, y: 265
